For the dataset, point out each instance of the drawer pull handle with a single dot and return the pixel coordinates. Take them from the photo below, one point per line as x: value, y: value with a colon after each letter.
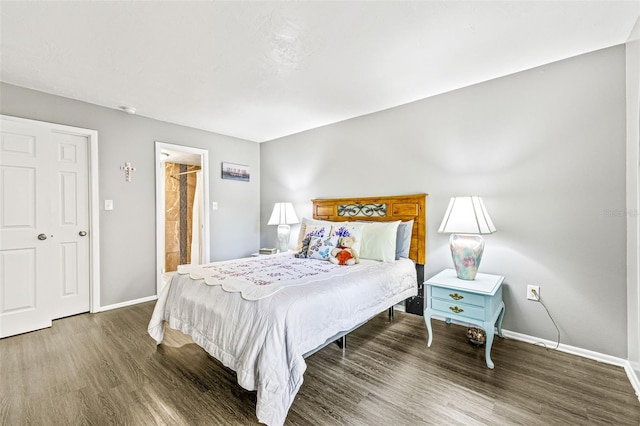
x: 455, y: 296
x: 456, y: 309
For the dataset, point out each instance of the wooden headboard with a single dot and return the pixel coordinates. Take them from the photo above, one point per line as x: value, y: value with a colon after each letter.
x: 397, y: 207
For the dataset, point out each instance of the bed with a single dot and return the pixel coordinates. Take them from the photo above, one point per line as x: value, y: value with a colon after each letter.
x: 262, y: 316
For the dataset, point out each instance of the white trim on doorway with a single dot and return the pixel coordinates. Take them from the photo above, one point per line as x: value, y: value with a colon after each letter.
x: 160, y: 203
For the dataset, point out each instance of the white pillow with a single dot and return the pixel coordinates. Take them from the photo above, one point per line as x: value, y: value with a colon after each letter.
x: 379, y: 241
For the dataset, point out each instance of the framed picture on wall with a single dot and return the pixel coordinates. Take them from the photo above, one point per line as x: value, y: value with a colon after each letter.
x: 235, y: 172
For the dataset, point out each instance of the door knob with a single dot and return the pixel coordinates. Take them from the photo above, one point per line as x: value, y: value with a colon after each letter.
x: 82, y: 233
x: 42, y: 237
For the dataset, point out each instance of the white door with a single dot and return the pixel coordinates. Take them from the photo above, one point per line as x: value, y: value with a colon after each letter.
x: 70, y: 224
x: 44, y: 259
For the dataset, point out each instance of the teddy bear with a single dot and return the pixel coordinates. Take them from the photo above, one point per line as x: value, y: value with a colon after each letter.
x: 344, y: 254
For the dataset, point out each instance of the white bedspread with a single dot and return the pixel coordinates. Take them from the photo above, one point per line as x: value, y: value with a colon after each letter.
x: 264, y: 340
x: 260, y: 277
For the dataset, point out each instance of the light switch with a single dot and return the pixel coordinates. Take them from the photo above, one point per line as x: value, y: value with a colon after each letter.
x: 214, y: 205
x: 108, y: 204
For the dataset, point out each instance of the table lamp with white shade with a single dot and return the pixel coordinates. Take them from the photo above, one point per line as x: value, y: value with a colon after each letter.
x: 465, y: 219
x: 283, y: 215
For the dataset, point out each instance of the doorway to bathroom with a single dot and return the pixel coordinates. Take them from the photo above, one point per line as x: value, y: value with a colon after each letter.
x: 182, y: 217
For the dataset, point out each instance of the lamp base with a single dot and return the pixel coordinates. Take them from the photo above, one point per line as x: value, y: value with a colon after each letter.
x: 466, y: 251
x: 284, y: 231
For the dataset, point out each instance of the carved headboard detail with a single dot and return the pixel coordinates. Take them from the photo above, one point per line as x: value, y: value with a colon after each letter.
x: 391, y: 208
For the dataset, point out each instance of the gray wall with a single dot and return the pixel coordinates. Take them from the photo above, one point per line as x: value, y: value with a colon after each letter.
x: 546, y: 150
x: 128, y: 233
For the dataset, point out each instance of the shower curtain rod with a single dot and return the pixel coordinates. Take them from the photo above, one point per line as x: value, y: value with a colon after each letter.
x: 185, y: 173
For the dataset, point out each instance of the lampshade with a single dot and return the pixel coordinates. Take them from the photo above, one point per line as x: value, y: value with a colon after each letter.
x: 283, y: 214
x: 467, y: 215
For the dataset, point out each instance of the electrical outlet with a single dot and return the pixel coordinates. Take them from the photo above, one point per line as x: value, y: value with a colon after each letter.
x: 533, y: 292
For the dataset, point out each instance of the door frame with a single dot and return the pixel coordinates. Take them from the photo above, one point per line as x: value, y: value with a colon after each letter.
x: 160, y: 203
x: 93, y: 199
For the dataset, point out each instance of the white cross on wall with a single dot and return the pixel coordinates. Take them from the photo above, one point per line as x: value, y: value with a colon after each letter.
x: 127, y: 171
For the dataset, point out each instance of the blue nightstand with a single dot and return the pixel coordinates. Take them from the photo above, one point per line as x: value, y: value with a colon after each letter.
x: 478, y: 302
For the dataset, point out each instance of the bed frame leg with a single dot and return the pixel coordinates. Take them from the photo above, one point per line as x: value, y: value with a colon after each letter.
x: 342, y: 341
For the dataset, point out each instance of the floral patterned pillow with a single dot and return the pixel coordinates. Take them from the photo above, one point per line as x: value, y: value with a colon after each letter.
x: 320, y: 247
x: 312, y: 228
x: 349, y: 229
x: 305, y: 248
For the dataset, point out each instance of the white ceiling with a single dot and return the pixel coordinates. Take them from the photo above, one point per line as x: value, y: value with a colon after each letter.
x: 262, y: 70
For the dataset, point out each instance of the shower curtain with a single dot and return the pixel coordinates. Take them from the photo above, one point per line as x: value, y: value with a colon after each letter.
x: 196, y: 222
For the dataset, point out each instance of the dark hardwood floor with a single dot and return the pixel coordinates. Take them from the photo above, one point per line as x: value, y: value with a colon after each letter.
x: 104, y: 369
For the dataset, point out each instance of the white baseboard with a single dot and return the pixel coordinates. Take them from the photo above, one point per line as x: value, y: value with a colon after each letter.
x: 633, y: 377
x: 127, y: 303
x: 585, y: 353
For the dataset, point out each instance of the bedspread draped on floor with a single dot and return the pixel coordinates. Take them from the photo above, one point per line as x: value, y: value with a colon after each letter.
x: 264, y: 340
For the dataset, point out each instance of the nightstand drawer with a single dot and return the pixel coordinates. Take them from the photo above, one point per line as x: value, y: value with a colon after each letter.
x: 457, y: 296
x: 459, y: 309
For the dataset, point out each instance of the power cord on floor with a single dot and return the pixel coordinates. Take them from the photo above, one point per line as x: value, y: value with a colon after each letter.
x: 539, y: 299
